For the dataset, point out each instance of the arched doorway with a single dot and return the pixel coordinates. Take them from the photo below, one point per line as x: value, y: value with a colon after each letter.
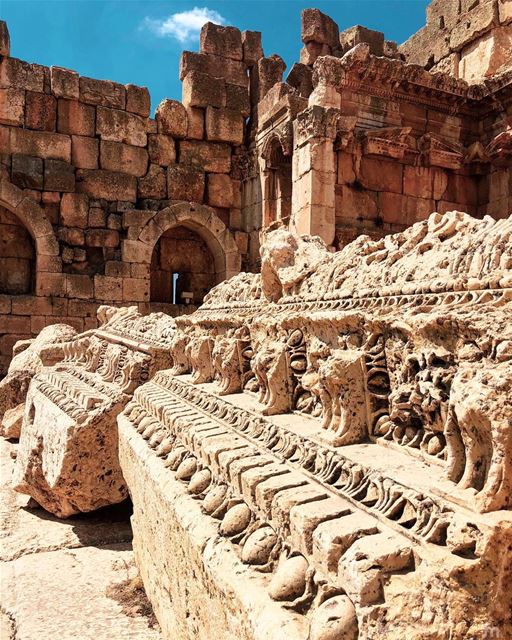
x: 17, y: 256
x: 182, y: 267
x: 277, y: 184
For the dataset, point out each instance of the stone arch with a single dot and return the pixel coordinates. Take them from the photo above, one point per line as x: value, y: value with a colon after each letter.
x: 34, y: 219
x: 205, y: 223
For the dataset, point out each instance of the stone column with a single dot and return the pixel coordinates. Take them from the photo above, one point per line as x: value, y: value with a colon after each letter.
x: 314, y: 173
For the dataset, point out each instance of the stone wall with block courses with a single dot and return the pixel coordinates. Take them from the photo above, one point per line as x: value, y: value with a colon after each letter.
x: 84, y: 166
x: 470, y: 39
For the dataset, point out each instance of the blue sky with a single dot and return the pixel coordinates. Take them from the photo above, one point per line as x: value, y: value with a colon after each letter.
x: 140, y: 41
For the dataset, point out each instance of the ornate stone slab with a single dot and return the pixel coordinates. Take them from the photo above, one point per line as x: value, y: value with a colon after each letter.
x: 67, y: 459
x: 344, y: 422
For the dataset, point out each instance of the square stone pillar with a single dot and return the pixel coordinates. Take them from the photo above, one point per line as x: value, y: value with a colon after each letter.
x: 314, y: 173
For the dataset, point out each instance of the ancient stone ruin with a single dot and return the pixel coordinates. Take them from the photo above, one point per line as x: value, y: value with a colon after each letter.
x: 305, y: 384
x: 336, y: 443
x: 67, y: 459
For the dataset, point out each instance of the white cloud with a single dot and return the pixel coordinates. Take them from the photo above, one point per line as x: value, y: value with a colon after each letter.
x: 185, y: 25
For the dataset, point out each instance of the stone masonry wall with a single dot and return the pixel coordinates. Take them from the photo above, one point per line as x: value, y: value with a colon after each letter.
x: 470, y: 39
x: 85, y: 169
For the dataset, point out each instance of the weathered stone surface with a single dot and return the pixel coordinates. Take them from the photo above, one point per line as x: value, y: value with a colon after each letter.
x: 76, y: 118
x: 224, y: 125
x: 360, y: 35
x: 375, y: 347
x: 27, y: 172
x: 318, y: 27
x: 64, y: 83
x: 84, y: 152
x: 221, y: 41
x: 28, y: 360
x: 58, y: 175
x: 171, y: 118
x: 203, y: 90
x: 12, y: 107
x: 120, y: 126
x: 209, y: 156
x: 251, y: 45
x: 220, y: 190
x: 161, y: 149
x: 124, y: 158
x: 41, y: 143
x: 185, y: 183
x: 153, y: 184
x: 21, y: 75
x: 102, y: 92
x: 67, y: 459
x: 109, y: 185
x: 138, y: 100
x: 217, y: 66
x: 40, y: 111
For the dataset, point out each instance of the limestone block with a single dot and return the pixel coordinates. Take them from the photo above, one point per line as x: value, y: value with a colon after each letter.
x: 357, y: 35
x: 109, y: 185
x: 237, y: 99
x: 97, y: 218
x: 485, y: 56
x: 84, y: 152
x: 12, y: 107
x: 21, y: 75
x: 185, y: 183
x: 27, y: 172
x: 195, y: 129
x: 124, y: 158
x: 102, y: 238
x: 10, y: 426
x: 68, y: 451
x: 41, y: 143
x: 251, y: 47
x: 233, y: 71
x: 64, y: 83
x: 219, y: 190
x: 449, y: 64
x: 5, y: 44
x: 171, y: 118
x: 108, y: 289
x: 46, y: 349
x: 221, y: 41
x: 202, y: 90
x: 74, y: 209
x: 136, y: 289
x: 269, y: 71
x: 71, y: 236
x: 472, y: 24
x: 318, y: 27
x: 40, y: 111
x: 301, y: 78
x: 76, y: 118
x: 120, y: 126
x: 313, y: 50
x: 209, y: 156
x: 102, y: 92
x: 78, y: 285
x: 58, y: 175
x: 161, y: 149
x: 380, y: 175
x: 153, y: 184
x: 441, y: 14
x: 224, y: 125
x: 138, y: 100
x: 505, y: 11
